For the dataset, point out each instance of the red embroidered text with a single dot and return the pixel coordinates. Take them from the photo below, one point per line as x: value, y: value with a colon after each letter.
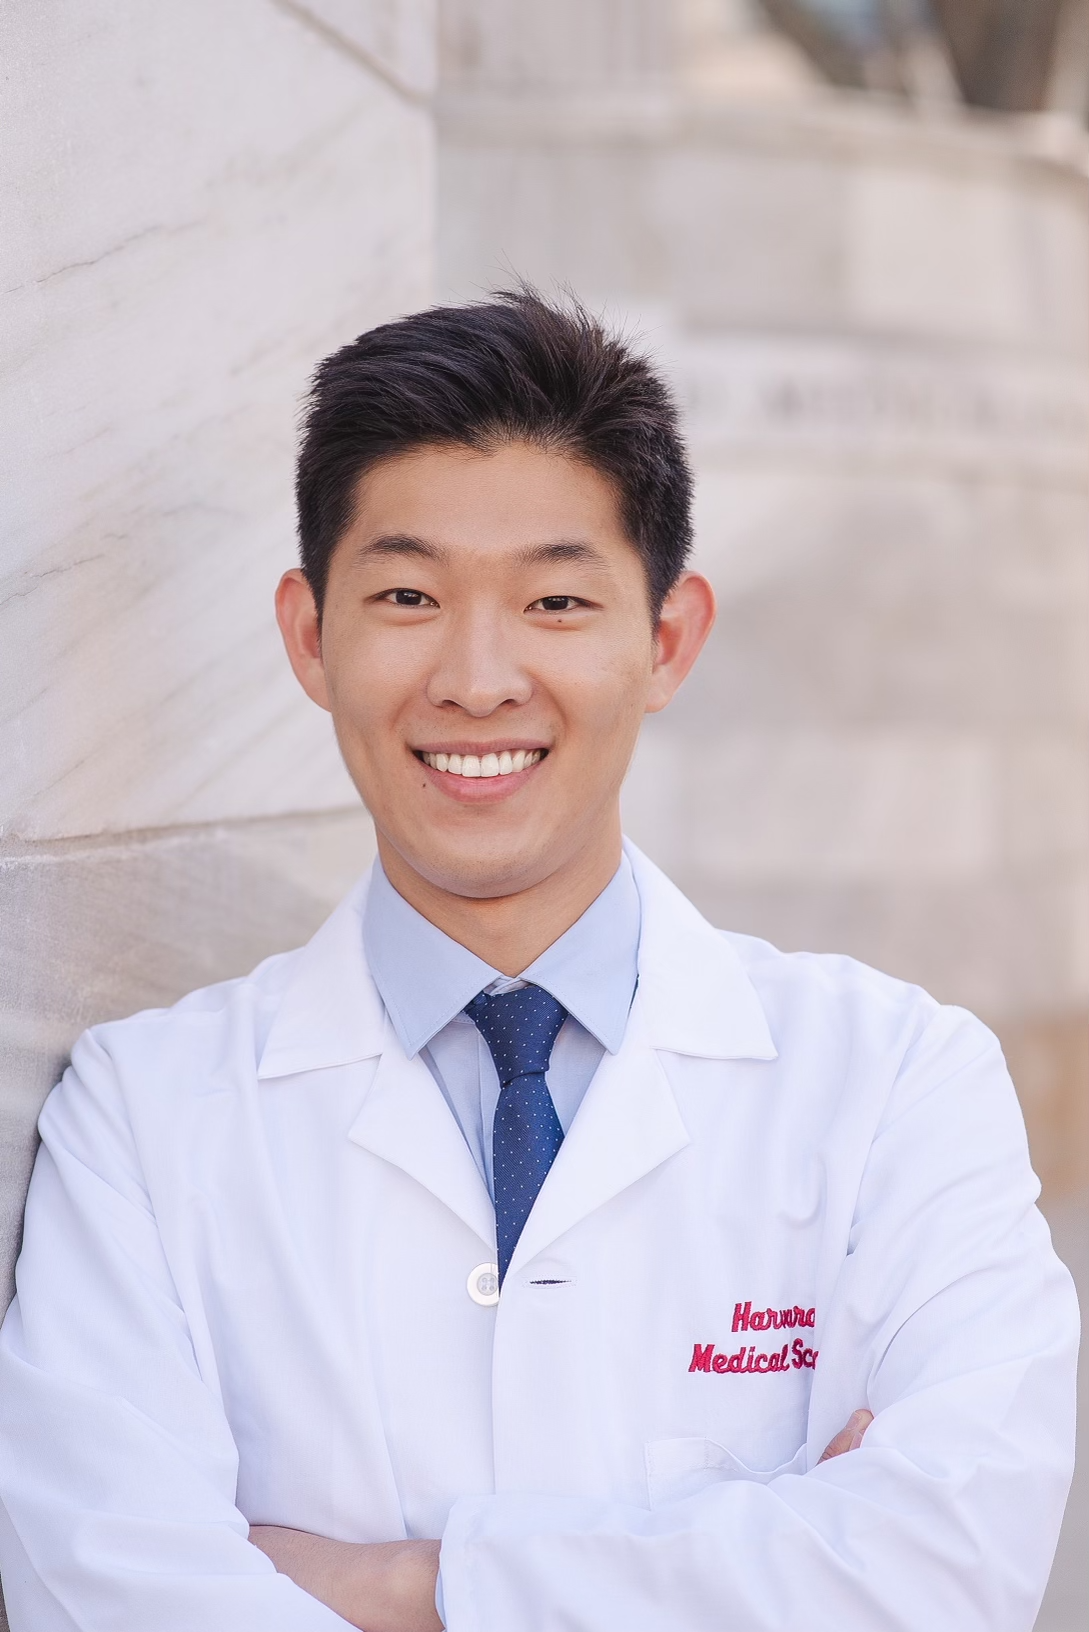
x: 792, y: 1356
x: 748, y: 1319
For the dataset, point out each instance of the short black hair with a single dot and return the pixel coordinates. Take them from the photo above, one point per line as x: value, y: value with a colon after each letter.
x: 513, y: 367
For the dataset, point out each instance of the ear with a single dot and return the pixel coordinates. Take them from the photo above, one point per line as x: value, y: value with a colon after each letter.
x: 297, y: 615
x: 688, y: 613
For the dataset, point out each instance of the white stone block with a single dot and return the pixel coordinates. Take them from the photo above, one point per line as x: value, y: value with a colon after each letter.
x: 1044, y: 800
x: 200, y: 203
x: 494, y: 43
x: 398, y: 38
x: 926, y: 252
x: 816, y: 808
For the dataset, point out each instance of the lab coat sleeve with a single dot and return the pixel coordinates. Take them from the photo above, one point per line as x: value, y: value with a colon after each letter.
x: 117, y: 1464
x: 953, y: 1321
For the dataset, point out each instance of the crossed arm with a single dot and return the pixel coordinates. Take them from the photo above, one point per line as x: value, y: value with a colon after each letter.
x: 950, y: 1317
x: 389, y: 1586
x: 382, y: 1586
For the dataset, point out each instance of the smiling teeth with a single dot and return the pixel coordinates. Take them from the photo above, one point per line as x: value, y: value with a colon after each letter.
x: 504, y: 764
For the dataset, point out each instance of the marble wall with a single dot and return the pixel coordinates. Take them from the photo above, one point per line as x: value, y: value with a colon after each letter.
x: 199, y: 202
x: 198, y: 205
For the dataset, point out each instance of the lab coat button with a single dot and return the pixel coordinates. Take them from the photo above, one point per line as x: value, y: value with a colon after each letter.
x: 483, y: 1284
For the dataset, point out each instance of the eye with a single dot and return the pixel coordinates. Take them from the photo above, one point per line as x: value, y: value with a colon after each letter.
x: 556, y: 603
x: 407, y: 597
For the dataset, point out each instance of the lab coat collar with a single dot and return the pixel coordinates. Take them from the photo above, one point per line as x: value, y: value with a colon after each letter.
x: 693, y: 997
x: 330, y: 1012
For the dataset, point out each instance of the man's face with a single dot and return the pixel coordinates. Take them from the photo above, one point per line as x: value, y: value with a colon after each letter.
x: 487, y: 654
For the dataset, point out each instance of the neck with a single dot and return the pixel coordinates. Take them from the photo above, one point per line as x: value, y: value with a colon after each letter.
x: 509, y: 931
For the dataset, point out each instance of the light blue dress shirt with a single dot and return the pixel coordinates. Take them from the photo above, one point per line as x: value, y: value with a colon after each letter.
x: 425, y: 980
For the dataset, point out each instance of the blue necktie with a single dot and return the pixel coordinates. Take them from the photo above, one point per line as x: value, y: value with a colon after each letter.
x: 520, y: 1028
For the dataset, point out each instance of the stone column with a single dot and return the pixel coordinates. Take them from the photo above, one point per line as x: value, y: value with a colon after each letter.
x: 199, y: 202
x: 878, y: 324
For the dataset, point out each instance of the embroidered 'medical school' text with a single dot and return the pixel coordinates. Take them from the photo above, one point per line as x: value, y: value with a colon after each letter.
x: 792, y: 1356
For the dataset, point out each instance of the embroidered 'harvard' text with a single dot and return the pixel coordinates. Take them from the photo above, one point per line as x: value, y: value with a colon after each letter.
x: 748, y: 1319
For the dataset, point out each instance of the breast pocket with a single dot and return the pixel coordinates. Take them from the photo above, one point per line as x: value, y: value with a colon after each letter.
x: 677, y: 1468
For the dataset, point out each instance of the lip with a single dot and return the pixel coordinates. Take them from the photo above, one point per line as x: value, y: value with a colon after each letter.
x: 502, y: 745
x: 480, y: 790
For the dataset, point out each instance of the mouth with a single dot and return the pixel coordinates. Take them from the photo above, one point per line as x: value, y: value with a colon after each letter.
x: 473, y: 766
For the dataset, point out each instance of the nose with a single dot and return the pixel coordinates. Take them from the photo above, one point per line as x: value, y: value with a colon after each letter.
x: 479, y: 667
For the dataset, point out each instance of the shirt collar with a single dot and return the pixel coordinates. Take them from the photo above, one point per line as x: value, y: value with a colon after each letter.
x: 591, y: 969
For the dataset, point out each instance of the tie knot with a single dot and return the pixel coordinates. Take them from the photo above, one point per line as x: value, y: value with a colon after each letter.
x: 519, y: 1027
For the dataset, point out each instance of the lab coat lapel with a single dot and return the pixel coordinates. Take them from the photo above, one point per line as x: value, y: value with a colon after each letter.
x: 405, y: 1120
x: 694, y: 999
x: 330, y: 1015
x: 627, y: 1125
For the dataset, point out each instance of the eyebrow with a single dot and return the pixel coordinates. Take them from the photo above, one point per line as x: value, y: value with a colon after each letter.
x: 390, y: 545
x: 533, y: 555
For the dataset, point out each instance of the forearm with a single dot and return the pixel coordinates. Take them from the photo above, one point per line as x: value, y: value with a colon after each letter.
x: 390, y: 1586
x: 913, y: 1528
x: 377, y: 1586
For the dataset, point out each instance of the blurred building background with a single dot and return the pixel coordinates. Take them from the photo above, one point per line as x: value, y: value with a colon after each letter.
x: 855, y: 232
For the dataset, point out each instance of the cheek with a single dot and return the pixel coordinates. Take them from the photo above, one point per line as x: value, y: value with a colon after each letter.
x: 614, y: 693
x: 368, y: 689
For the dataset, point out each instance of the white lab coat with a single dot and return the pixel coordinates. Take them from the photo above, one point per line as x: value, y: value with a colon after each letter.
x: 242, y: 1297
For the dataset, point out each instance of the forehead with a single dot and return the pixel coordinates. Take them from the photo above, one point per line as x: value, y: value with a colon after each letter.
x: 502, y: 500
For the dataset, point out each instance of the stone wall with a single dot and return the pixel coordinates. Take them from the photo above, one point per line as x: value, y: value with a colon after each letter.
x: 199, y: 202
x: 878, y: 324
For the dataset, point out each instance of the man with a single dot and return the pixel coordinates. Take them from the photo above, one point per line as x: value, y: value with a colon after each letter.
x: 522, y: 1212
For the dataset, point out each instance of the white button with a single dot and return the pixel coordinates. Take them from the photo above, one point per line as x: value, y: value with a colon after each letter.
x: 483, y: 1284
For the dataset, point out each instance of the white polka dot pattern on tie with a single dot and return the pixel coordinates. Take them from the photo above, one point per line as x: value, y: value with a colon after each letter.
x: 520, y: 1028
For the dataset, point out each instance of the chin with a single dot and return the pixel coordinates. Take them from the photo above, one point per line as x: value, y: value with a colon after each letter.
x: 488, y: 876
